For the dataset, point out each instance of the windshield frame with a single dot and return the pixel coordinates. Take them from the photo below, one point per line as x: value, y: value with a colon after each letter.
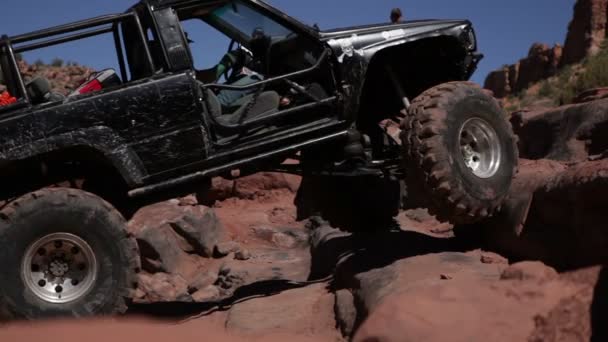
x: 262, y: 7
x: 252, y: 19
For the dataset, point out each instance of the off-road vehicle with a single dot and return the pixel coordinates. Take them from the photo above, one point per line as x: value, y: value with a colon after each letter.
x: 73, y: 165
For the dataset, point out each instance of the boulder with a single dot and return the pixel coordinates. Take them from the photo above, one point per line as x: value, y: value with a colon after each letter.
x: 162, y: 252
x: 201, y: 228
x: 171, y: 234
x: 570, y: 133
x: 162, y: 287
x: 304, y: 311
x: 554, y: 214
x: 463, y: 310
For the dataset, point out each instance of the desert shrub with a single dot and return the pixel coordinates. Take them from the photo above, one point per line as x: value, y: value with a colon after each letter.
x: 547, y: 90
x: 596, y: 72
x: 57, y: 62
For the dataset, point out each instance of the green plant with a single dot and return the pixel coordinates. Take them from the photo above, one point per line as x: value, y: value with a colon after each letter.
x: 565, y: 74
x: 547, y: 90
x: 512, y: 108
x: 57, y: 62
x: 567, y: 94
x: 595, y: 74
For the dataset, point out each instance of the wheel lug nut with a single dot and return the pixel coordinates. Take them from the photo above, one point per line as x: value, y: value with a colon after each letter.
x: 41, y: 282
x: 81, y: 266
x: 74, y: 282
x: 58, y: 289
x: 35, y: 268
x: 58, y: 244
x: 74, y: 250
x: 41, y: 251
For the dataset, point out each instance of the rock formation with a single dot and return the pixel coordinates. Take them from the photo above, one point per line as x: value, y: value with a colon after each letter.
x: 542, y: 62
x: 586, y: 33
x: 587, y: 30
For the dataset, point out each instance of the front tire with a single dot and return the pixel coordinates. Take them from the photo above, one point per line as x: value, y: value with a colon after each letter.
x: 460, y: 147
x: 65, y: 252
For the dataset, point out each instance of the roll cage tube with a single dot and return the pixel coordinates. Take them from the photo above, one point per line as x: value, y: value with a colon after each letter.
x: 322, y: 58
x: 319, y: 102
x: 10, y: 68
x: 88, y: 28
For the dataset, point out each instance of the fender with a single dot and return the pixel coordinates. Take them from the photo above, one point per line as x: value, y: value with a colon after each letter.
x: 355, y: 48
x: 366, y: 41
x: 98, y: 138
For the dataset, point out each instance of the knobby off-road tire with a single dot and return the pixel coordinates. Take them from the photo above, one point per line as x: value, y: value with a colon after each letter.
x: 460, y: 147
x: 65, y: 252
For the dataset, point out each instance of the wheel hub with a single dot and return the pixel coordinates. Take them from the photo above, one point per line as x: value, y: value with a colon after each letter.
x: 59, y: 268
x: 480, y: 147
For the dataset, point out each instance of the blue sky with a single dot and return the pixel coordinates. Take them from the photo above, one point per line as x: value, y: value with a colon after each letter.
x: 505, y: 29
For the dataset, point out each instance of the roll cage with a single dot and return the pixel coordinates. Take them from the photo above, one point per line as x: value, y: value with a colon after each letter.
x: 107, y: 24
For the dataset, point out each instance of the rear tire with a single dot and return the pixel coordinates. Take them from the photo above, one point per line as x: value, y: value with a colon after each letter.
x: 460, y: 147
x: 65, y: 252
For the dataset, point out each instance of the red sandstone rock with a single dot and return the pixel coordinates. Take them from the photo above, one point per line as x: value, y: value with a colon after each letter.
x: 586, y: 31
x: 542, y: 62
x: 591, y: 95
x: 499, y: 82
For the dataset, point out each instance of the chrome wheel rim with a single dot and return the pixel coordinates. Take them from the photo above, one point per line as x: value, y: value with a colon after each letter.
x: 480, y: 147
x: 59, y: 268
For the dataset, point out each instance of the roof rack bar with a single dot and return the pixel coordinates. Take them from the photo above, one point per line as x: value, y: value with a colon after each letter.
x: 75, y: 26
x: 61, y: 40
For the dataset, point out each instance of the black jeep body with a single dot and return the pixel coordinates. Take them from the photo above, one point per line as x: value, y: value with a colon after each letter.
x: 154, y: 131
x: 74, y: 166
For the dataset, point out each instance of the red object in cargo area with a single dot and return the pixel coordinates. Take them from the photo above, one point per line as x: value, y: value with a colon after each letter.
x: 6, y: 99
x: 93, y: 85
x: 98, y: 81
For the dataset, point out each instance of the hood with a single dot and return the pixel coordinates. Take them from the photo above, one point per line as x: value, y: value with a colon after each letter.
x: 368, y: 39
x: 410, y: 28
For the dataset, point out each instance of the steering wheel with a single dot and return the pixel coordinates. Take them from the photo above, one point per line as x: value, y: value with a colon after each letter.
x: 239, y: 63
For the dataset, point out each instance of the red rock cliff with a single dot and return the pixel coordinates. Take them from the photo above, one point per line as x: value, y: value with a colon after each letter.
x: 586, y: 32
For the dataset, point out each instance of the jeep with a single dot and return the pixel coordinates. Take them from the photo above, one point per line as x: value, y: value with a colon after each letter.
x: 73, y: 166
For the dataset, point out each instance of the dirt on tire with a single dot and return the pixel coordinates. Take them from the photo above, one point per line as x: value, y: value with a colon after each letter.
x: 431, y: 140
x: 66, y: 212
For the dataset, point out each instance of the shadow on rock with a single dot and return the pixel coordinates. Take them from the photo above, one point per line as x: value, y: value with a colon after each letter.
x: 599, y: 308
x: 336, y: 251
x: 178, y: 311
x: 554, y: 213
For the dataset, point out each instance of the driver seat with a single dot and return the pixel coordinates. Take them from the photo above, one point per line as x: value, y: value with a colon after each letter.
x: 267, y: 103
